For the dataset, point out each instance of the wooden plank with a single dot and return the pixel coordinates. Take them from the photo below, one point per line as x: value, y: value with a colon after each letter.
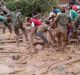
x: 9, y: 52
x: 10, y: 41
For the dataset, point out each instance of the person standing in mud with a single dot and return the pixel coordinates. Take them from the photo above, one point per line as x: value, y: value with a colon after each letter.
x: 42, y: 29
x: 62, y: 22
x: 18, y: 24
x: 7, y: 22
x: 73, y: 15
x: 34, y: 24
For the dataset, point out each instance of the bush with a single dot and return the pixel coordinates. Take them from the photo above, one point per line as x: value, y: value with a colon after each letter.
x: 28, y: 7
x: 11, y: 5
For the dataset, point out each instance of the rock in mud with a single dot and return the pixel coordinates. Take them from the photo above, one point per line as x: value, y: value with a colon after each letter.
x: 39, y: 47
x: 17, y: 57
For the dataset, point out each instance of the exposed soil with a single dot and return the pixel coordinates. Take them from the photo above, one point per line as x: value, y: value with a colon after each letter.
x: 25, y: 60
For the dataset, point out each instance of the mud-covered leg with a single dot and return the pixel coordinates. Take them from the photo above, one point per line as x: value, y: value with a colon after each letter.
x: 25, y: 33
x: 31, y: 36
x: 64, y: 40
x: 16, y: 29
x: 4, y: 30
x: 59, y: 41
x: 52, y: 37
x: 9, y: 28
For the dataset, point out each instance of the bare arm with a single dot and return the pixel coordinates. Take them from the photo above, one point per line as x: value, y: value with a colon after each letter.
x: 54, y: 22
x: 51, y: 36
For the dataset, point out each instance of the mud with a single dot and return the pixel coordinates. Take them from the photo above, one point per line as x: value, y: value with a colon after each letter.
x: 26, y: 60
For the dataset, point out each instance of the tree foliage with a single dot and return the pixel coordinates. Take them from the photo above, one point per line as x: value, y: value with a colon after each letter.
x: 28, y: 7
x: 11, y: 5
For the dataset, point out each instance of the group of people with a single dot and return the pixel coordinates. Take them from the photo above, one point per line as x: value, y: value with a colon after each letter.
x: 66, y: 23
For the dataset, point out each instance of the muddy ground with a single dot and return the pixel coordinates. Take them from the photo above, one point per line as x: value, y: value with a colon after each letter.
x: 24, y: 60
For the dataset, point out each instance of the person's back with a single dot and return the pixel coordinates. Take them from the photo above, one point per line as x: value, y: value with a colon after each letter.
x: 17, y: 19
x: 42, y: 29
x: 63, y: 20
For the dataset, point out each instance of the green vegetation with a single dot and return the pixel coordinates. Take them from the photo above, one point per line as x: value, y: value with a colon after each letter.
x: 27, y: 7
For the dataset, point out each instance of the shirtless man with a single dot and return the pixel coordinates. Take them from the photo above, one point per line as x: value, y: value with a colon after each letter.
x: 33, y: 23
x: 41, y: 30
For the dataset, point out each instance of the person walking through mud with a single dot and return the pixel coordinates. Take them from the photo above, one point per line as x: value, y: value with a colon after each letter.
x: 34, y: 24
x: 18, y: 24
x: 14, y: 20
x: 42, y: 29
x: 73, y: 15
x: 7, y: 22
x: 62, y: 22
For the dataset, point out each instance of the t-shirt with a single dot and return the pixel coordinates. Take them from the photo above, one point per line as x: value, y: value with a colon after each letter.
x: 56, y: 11
x: 73, y: 14
x: 36, y: 22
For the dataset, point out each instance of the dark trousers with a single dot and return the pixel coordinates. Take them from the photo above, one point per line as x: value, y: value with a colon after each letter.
x: 42, y: 36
